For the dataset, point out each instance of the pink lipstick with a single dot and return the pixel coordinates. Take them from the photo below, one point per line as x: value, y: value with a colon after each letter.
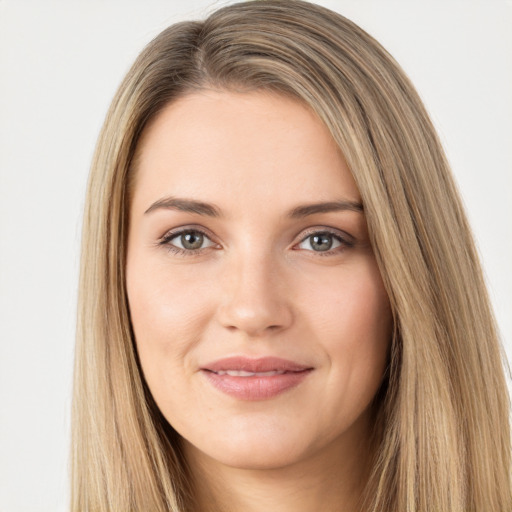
x: 255, y: 379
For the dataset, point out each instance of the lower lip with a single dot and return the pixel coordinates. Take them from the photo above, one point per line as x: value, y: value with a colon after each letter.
x: 256, y: 388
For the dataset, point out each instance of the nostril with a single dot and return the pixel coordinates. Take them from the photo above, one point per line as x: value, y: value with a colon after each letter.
x: 254, y: 310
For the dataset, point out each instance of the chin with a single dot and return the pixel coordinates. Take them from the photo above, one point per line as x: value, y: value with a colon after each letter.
x: 256, y: 457
x: 262, y: 447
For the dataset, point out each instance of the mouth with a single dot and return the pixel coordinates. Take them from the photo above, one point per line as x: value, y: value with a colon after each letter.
x: 255, y: 379
x: 242, y: 373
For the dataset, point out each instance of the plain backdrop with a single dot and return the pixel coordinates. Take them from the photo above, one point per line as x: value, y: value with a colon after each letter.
x: 60, y: 63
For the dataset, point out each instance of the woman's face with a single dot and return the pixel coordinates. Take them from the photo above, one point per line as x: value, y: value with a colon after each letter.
x: 259, y: 313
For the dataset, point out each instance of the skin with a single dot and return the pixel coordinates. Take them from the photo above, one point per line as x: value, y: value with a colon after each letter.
x: 258, y: 287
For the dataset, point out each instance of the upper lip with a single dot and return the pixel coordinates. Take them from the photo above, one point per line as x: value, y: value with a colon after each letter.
x: 259, y: 365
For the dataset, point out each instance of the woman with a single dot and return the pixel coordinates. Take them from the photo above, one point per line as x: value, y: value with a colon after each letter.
x: 281, y: 304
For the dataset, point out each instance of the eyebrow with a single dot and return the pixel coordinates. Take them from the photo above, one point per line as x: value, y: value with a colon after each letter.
x: 185, y: 205
x: 330, y: 206
x: 211, y: 210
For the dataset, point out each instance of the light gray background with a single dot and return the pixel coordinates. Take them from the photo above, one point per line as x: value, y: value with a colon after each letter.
x: 60, y: 63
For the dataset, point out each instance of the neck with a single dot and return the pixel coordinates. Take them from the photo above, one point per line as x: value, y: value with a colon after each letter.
x: 331, y: 480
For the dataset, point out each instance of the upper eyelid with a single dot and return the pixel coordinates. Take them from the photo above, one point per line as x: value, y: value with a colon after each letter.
x: 172, y: 233
x: 332, y: 231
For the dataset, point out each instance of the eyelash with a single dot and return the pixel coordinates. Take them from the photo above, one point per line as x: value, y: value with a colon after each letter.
x: 166, y: 240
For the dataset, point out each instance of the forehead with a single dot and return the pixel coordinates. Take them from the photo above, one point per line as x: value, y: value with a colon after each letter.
x: 255, y: 147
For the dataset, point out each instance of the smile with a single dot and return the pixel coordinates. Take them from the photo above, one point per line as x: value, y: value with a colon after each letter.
x: 242, y: 373
x: 254, y: 379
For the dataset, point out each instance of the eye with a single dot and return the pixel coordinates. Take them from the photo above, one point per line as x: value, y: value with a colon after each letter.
x: 324, y: 242
x: 186, y: 241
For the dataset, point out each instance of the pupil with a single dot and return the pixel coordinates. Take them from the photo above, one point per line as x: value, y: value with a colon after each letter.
x: 192, y: 240
x: 321, y: 242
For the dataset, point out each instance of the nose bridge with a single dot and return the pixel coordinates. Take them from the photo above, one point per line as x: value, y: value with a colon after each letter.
x: 254, y: 299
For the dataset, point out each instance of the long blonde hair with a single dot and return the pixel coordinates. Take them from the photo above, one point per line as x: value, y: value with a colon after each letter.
x: 442, y: 425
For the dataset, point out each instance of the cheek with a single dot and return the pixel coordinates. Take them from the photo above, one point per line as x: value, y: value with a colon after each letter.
x: 168, y: 312
x: 350, y: 305
x: 354, y: 325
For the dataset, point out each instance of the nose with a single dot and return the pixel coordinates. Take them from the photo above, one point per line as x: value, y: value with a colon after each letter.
x: 255, y: 299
